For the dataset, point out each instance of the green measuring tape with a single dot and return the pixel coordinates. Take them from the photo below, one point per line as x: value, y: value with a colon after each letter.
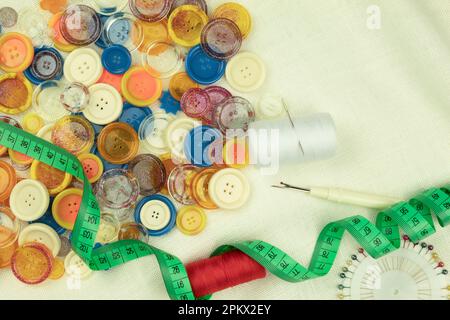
x: 413, y: 217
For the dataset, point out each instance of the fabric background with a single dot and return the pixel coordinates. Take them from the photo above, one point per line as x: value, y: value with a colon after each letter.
x: 387, y: 90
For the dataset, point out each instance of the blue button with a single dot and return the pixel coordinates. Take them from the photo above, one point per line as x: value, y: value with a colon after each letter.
x: 134, y: 115
x: 170, y: 205
x: 47, y: 219
x: 101, y: 42
x: 116, y: 59
x: 197, y: 143
x: 118, y: 29
x: 202, y: 68
x: 49, y: 65
x: 169, y: 104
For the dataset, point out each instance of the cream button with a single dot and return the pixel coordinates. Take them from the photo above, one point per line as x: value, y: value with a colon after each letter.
x: 105, y: 105
x: 155, y: 215
x: 246, y: 72
x: 83, y: 65
x: 75, y: 266
x: 46, y: 132
x: 270, y: 106
x: 176, y: 134
x: 229, y: 189
x: 29, y: 200
x: 42, y: 233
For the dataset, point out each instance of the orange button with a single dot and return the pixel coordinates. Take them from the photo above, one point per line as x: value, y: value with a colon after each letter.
x: 92, y: 166
x: 19, y: 160
x: 200, y: 189
x: 140, y: 88
x: 153, y: 32
x: 32, y: 263
x: 8, y: 180
x: 55, y: 180
x: 15, y: 93
x: 16, y: 52
x: 114, y: 80
x: 58, y: 40
x: 54, y: 6
x: 179, y: 84
x: 118, y: 143
x: 10, y: 228
x: 73, y: 133
x: 65, y: 207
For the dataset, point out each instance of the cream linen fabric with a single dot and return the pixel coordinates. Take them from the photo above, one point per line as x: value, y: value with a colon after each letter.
x: 387, y: 90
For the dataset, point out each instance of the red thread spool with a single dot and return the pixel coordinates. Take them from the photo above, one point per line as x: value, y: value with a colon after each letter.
x: 222, y: 272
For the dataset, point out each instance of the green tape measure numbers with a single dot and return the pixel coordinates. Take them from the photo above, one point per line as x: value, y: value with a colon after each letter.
x: 413, y: 217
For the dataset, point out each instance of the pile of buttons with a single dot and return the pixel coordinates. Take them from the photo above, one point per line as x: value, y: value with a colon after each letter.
x: 157, y: 158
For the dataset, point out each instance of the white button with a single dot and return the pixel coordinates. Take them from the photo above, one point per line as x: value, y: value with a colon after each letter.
x: 105, y: 104
x: 246, y: 72
x: 46, y: 132
x: 155, y: 215
x: 229, y: 189
x: 270, y: 106
x: 47, y: 101
x: 154, y: 134
x: 39, y: 232
x: 29, y: 200
x: 176, y: 134
x: 83, y: 65
x: 75, y: 266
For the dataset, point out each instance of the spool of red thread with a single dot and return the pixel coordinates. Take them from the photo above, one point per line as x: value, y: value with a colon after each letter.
x: 222, y: 272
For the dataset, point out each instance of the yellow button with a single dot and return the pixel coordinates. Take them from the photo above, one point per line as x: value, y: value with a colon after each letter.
x: 235, y: 153
x: 73, y: 133
x: 32, y: 123
x: 118, y: 143
x: 236, y: 13
x: 186, y: 24
x: 19, y: 160
x: 57, y: 270
x: 92, y: 166
x: 180, y: 83
x: 55, y: 180
x: 191, y: 220
x: 153, y: 32
x: 15, y: 93
x: 16, y: 52
x: 200, y: 189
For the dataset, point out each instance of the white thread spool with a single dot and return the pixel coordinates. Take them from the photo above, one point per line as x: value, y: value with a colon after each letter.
x: 311, y: 138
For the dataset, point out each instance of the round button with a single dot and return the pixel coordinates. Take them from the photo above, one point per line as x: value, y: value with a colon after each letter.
x: 233, y: 115
x: 140, y: 88
x: 32, y: 263
x: 162, y: 60
x: 83, y: 65
x: 152, y: 132
x: 236, y: 13
x: 157, y: 213
x: 216, y: 95
x: 246, y: 72
x: 150, y: 10
x: 118, y: 143
x: 46, y: 100
x: 236, y: 153
x: 47, y: 65
x: 202, y: 68
x: 75, y: 266
x: 179, y: 183
x: 16, y: 93
x: 195, y: 102
x: 16, y: 52
x: 74, y: 134
x: 179, y: 84
x: 186, y: 24
x: 221, y: 39
x: 133, y: 231
x: 270, y: 106
x: 8, y: 17
x: 105, y: 104
x: 199, y: 3
x: 108, y: 230
x: 114, y: 80
x: 153, y: 32
x: 58, y: 270
x: 150, y: 172
x: 20, y: 161
x: 8, y: 179
x: 109, y: 7
x: 191, y: 220
x: 92, y: 166
x: 117, y: 189
x: 41, y: 233
x: 229, y: 189
x: 29, y: 200
x: 54, y: 180
x: 134, y: 115
x: 116, y: 59
x: 56, y: 36
x: 123, y: 29
x: 46, y: 132
x: 197, y: 144
x: 176, y: 135
x: 65, y: 207
x: 32, y: 123
x: 200, y: 189
x: 75, y: 97
x: 80, y: 25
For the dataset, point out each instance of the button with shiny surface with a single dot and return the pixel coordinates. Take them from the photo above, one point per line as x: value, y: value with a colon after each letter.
x: 73, y: 133
x: 202, y: 68
x: 54, y: 180
x: 118, y: 143
x: 150, y: 172
x: 32, y: 263
x: 191, y: 220
x: 15, y: 93
x: 186, y: 24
